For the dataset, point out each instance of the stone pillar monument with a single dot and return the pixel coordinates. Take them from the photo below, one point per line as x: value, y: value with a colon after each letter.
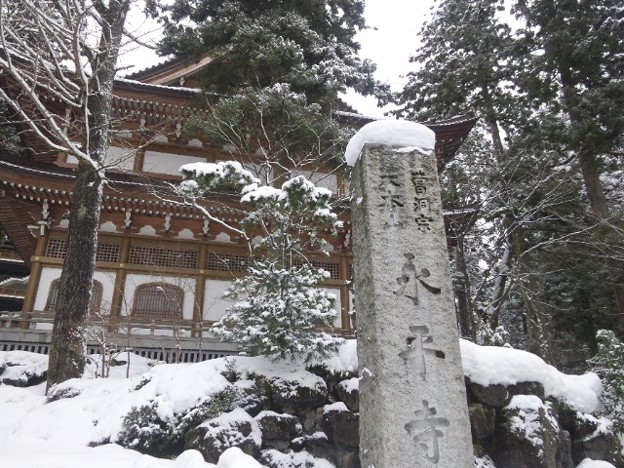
x: 413, y: 410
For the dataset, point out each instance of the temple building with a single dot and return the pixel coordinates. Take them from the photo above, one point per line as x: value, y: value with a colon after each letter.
x: 161, y: 267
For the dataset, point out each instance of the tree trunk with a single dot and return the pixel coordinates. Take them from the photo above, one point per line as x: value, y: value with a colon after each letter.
x: 499, y: 290
x: 589, y: 164
x: 68, y: 346
x: 539, y: 337
x: 461, y: 285
x: 498, y: 296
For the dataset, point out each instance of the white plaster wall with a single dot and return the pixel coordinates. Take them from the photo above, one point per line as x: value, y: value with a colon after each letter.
x: 264, y: 173
x: 107, y: 278
x: 214, y: 303
x: 117, y: 157
x: 49, y: 274
x: 167, y: 163
x: 133, y: 280
x: 337, y: 305
x: 120, y: 158
x: 329, y: 181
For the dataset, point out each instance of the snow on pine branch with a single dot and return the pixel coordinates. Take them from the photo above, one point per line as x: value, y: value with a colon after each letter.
x: 201, y: 177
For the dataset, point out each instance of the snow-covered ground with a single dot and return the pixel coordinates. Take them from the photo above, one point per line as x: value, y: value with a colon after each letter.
x: 37, y: 433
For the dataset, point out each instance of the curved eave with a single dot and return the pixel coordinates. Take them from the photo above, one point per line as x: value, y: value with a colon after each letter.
x: 55, y: 184
x: 25, y: 187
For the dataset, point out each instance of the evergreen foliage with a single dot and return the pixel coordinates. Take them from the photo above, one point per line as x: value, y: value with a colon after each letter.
x: 580, y: 68
x: 609, y: 365
x: 465, y: 63
x: 544, y: 257
x: 279, y: 309
x: 10, y: 143
x: 277, y: 127
x: 256, y: 44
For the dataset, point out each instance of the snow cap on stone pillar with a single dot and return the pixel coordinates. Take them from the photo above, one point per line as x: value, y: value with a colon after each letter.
x: 407, y: 136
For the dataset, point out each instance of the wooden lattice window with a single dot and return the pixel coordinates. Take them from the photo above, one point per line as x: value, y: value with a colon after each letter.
x: 94, y: 304
x: 163, y: 257
x: 57, y: 248
x: 332, y: 268
x: 227, y: 262
x: 158, y: 301
x: 107, y: 253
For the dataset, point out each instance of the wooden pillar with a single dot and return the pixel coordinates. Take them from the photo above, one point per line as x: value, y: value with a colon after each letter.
x: 344, y: 294
x: 139, y: 157
x: 200, y: 291
x: 35, y: 275
x: 120, y: 279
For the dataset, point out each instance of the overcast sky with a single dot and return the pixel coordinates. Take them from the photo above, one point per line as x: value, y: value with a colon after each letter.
x: 397, y: 24
x: 389, y: 45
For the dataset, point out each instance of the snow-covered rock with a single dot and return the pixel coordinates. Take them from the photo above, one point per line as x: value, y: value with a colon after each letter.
x: 22, y: 369
x: 488, y: 365
x: 171, y: 402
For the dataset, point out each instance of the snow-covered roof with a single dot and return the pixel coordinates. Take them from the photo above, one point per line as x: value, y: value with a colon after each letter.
x: 180, y: 89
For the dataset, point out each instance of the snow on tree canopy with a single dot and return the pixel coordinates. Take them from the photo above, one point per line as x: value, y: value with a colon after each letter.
x: 298, y: 184
x: 398, y: 133
x: 208, y: 176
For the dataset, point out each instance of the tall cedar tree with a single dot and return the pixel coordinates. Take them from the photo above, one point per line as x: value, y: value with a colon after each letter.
x: 65, y: 52
x: 466, y: 63
x: 275, y: 74
x: 470, y: 59
x: 258, y: 43
x: 580, y: 74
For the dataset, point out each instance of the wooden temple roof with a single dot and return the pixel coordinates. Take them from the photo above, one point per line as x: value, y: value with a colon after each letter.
x: 150, y: 98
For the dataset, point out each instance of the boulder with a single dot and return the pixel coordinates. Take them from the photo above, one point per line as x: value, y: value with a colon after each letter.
x: 286, y: 396
x: 278, y: 430
x: 482, y: 421
x: 23, y: 369
x: 593, y: 438
x: 248, y: 397
x: 528, y: 435
x: 276, y: 459
x: 234, y: 429
x: 495, y: 396
x: 341, y: 425
x: 527, y: 388
x: 348, y: 393
x: 317, y: 444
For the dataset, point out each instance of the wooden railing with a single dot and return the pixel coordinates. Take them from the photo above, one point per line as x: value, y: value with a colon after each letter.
x: 160, y: 340
x: 14, y: 292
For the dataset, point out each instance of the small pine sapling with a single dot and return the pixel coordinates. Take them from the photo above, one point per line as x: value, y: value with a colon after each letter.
x: 279, y: 309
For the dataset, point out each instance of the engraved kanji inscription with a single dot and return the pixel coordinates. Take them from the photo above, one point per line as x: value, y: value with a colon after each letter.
x: 410, y: 279
x: 425, y: 430
x: 416, y: 350
x: 392, y: 195
x: 423, y: 222
x: 419, y: 179
x: 422, y: 204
